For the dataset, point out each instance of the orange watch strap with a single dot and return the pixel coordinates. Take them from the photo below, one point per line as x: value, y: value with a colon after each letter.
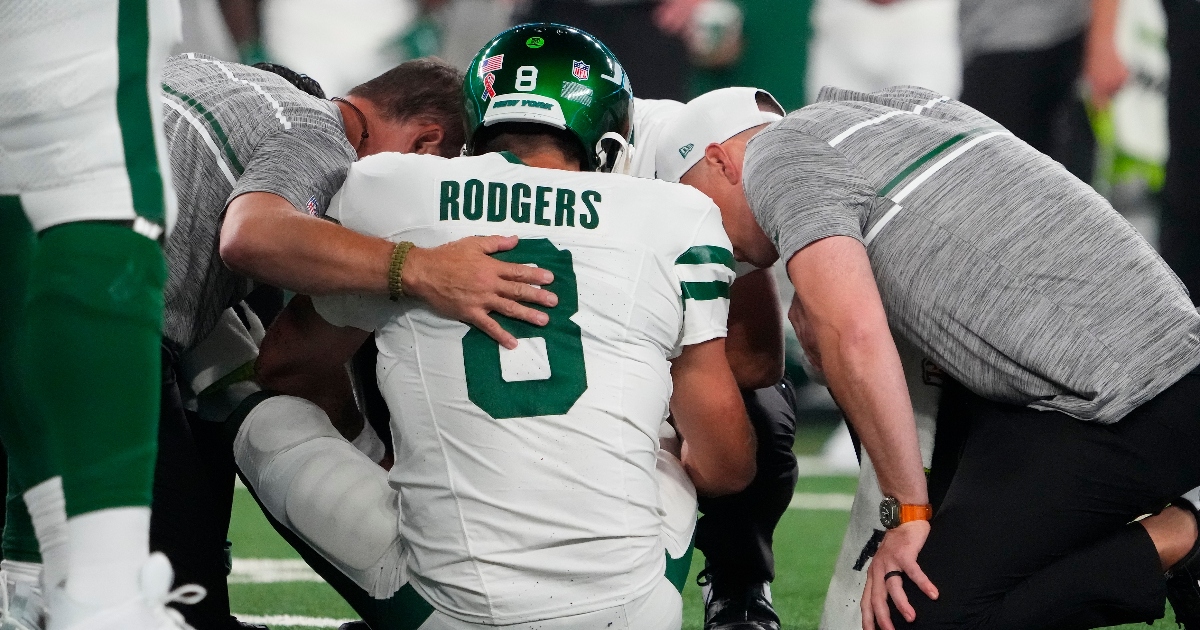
x: 909, y: 512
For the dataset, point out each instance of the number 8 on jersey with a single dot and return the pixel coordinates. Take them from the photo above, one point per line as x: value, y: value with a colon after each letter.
x: 513, y: 386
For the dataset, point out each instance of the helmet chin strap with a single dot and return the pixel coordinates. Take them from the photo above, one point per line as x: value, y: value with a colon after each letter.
x: 617, y: 162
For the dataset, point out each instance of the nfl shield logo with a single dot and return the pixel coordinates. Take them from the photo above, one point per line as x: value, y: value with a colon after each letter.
x: 312, y: 205
x: 581, y: 70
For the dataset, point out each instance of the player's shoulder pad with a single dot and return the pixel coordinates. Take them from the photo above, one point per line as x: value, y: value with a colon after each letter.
x: 391, y: 163
x: 665, y: 197
x: 668, y: 214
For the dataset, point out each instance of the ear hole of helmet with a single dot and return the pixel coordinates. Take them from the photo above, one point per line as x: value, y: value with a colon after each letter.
x: 613, y: 153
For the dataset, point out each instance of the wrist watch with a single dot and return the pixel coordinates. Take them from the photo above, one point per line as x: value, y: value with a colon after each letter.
x: 893, y: 513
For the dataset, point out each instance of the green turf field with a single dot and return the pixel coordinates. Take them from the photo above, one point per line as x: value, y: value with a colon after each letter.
x: 806, y: 546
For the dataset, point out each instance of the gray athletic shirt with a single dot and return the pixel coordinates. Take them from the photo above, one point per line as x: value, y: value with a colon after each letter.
x: 231, y: 130
x: 1019, y: 25
x: 1011, y: 274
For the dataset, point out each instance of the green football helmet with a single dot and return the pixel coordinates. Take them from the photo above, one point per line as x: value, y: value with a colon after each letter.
x: 554, y: 75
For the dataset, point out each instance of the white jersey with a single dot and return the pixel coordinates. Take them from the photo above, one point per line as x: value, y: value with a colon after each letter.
x: 527, y: 477
x: 650, y: 116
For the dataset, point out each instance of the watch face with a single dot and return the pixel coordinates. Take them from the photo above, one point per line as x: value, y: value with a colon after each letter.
x: 889, y: 512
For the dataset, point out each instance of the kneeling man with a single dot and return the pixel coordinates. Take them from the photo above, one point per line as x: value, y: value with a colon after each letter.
x: 1069, y: 351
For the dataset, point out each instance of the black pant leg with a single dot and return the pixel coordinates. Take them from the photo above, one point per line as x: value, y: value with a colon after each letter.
x: 186, y: 520
x: 1032, y: 532
x: 220, y: 472
x: 1180, y: 233
x: 737, y: 531
x: 1025, y: 91
x: 657, y: 63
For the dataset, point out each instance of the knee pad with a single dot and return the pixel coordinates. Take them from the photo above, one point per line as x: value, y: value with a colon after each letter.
x: 323, y: 489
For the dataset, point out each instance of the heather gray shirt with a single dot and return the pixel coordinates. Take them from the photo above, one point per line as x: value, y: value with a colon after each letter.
x: 1019, y: 25
x: 231, y: 130
x: 1011, y: 274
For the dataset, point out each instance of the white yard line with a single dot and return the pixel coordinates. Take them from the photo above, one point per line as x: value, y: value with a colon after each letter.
x: 819, y: 466
x: 821, y: 501
x: 293, y: 620
x: 271, y: 571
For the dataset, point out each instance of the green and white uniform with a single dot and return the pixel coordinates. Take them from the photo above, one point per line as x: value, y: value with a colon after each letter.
x: 547, y: 451
x: 80, y: 127
x: 81, y: 162
x: 527, y: 478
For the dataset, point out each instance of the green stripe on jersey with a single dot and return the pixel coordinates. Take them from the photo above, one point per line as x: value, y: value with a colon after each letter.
x: 932, y: 153
x: 134, y: 113
x: 705, y: 254
x: 213, y: 124
x: 705, y: 290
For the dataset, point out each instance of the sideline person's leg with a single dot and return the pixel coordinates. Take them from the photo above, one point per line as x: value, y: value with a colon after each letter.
x: 1024, y: 90
x: 1034, y: 530
x: 194, y: 474
x: 17, y: 246
x: 1180, y: 233
x: 737, y: 531
x: 20, y: 571
x: 88, y: 171
x: 186, y: 520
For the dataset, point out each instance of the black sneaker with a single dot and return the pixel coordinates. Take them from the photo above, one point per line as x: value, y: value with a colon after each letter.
x: 736, y: 606
x: 355, y: 625
x: 1183, y: 579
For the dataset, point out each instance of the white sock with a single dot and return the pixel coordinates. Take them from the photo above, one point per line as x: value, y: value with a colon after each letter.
x: 23, y: 572
x: 108, y: 549
x: 48, y: 511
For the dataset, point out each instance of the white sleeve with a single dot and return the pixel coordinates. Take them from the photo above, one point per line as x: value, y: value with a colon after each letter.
x: 705, y: 272
x: 351, y: 208
x: 334, y: 211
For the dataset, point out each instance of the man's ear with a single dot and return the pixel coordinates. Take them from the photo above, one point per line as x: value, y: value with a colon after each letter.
x: 427, y: 139
x: 721, y: 161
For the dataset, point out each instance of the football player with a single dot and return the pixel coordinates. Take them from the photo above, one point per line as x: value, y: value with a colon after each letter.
x: 85, y: 204
x: 531, y: 483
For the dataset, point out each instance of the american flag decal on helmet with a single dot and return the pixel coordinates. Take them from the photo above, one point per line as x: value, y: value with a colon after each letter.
x: 491, y: 64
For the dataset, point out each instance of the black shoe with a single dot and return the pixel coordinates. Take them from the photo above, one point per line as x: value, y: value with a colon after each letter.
x: 736, y: 606
x: 1183, y: 579
x: 234, y: 624
x: 355, y: 625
